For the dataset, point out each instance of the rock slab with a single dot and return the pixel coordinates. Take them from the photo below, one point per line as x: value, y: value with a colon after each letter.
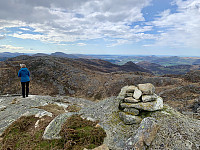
x: 149, y: 98
x: 137, y: 93
x: 53, y: 129
x: 129, y: 119
x: 145, y: 134
x: 148, y: 106
x: 147, y: 88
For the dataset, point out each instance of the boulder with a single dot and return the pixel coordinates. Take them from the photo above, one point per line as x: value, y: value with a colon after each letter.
x: 122, y: 93
x: 131, y: 89
x: 137, y: 93
x: 145, y: 134
x: 129, y: 119
x: 132, y: 111
x: 131, y: 100
x: 149, y: 98
x: 149, y: 106
x: 147, y: 88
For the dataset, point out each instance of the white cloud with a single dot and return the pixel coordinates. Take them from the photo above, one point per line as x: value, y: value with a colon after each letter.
x: 74, y: 20
x: 181, y: 29
x: 118, y: 42
x: 81, y: 44
x: 25, y: 29
x: 11, y: 48
x: 2, y: 37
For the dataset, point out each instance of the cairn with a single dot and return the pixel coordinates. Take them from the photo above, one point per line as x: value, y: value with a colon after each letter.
x: 135, y: 99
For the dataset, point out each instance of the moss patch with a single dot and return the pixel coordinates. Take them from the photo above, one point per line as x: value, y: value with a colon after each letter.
x: 80, y: 133
x: 53, y: 108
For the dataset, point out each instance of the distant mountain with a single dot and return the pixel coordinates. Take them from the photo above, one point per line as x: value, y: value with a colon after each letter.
x: 162, y: 70
x: 84, y: 56
x: 8, y: 54
x: 161, y: 60
x: 105, y: 66
x: 61, y: 54
x: 40, y: 54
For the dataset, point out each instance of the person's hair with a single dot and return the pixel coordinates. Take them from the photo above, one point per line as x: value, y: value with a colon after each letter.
x: 22, y: 65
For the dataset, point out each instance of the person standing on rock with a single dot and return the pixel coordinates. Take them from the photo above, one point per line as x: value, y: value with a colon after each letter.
x: 24, y: 74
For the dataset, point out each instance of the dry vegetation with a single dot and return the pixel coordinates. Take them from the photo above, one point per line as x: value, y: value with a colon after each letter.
x: 77, y: 133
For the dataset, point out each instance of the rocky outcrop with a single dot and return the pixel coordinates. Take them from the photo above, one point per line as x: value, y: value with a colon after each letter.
x: 145, y: 134
x: 136, y: 99
x: 164, y: 129
x: 10, y: 112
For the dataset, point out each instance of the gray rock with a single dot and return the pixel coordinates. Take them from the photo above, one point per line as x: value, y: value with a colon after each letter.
x: 145, y: 134
x: 174, y: 127
x: 131, y: 100
x: 130, y: 89
x: 149, y: 106
x: 147, y: 88
x: 149, y: 98
x: 120, y: 98
x: 132, y: 111
x: 28, y: 106
x: 122, y: 93
x: 137, y: 93
x: 198, y: 110
x: 43, y: 113
x: 129, y: 119
x: 53, y: 129
x: 2, y: 108
x: 126, y: 89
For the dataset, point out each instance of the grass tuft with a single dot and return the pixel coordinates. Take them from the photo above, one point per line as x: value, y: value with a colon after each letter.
x: 79, y: 133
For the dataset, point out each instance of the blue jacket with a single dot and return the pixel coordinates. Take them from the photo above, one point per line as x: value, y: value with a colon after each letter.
x: 24, y: 74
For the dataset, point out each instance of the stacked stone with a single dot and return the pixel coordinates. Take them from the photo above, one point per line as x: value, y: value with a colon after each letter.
x: 134, y: 99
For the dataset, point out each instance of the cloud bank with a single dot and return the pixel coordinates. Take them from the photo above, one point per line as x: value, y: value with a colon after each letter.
x: 69, y: 21
x: 117, y: 22
x: 181, y: 29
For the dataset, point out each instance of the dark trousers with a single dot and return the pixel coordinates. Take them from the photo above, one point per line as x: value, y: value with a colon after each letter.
x: 23, y: 88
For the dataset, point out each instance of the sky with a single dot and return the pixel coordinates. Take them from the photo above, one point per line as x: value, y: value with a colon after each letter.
x: 115, y: 27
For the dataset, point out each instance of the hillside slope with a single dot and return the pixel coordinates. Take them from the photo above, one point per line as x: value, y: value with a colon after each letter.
x: 95, y: 80
x: 76, y: 77
x: 176, y: 131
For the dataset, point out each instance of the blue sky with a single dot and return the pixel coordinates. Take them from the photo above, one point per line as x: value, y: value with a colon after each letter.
x: 128, y: 27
